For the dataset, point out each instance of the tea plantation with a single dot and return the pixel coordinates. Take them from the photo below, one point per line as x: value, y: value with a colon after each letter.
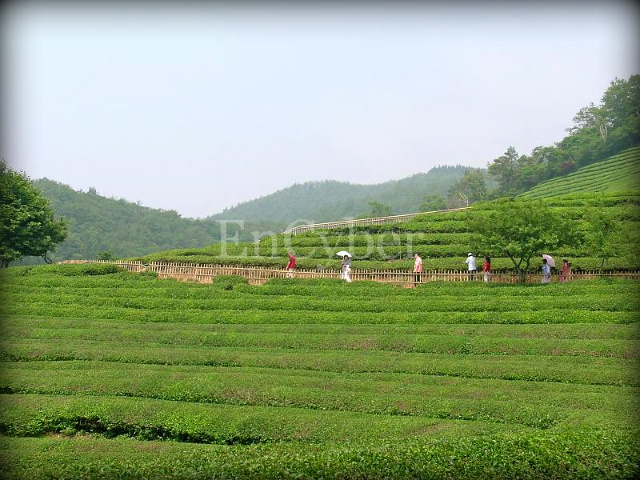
x: 617, y: 174
x: 108, y: 374
x: 444, y: 239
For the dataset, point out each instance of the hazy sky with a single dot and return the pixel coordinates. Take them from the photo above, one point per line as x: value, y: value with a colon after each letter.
x: 200, y: 107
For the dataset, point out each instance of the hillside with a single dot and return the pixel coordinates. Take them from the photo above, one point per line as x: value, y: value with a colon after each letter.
x: 331, y: 200
x: 100, y: 224
x: 618, y: 173
x: 126, y: 229
x: 443, y: 239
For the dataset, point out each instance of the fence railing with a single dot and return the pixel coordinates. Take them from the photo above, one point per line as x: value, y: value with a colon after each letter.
x: 259, y: 275
x: 363, y: 221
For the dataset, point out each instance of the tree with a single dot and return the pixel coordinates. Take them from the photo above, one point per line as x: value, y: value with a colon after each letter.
x: 27, y: 224
x: 105, y: 255
x: 471, y: 188
x: 604, y: 130
x: 520, y: 230
x: 377, y: 210
x: 604, y: 236
x: 432, y: 202
x: 621, y: 110
x: 505, y: 170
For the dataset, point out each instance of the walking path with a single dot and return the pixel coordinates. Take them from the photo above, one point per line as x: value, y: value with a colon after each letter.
x: 259, y: 275
x: 364, y: 221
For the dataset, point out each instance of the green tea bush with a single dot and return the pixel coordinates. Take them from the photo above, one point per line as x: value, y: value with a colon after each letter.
x: 129, y: 376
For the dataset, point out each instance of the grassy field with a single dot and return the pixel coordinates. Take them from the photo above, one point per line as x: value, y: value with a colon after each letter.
x: 117, y: 375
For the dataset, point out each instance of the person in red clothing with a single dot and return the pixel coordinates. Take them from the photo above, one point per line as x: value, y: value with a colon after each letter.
x: 291, y: 266
x: 565, y: 273
x: 486, y: 269
x: 417, y: 269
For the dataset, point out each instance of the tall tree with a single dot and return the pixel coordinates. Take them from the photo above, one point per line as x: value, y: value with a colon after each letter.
x: 621, y: 109
x: 604, y: 236
x: 27, y: 223
x: 505, y: 171
x: 520, y: 230
x: 603, y: 130
x: 471, y: 188
x: 432, y: 202
x: 378, y: 210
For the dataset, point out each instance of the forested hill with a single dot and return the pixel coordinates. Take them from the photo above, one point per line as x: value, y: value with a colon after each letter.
x: 333, y: 200
x: 99, y: 224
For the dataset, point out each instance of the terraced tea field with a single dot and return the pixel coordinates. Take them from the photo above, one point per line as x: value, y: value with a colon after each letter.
x: 120, y: 375
x: 617, y: 174
x: 442, y: 240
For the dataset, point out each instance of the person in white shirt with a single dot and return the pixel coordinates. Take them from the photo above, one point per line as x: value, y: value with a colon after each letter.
x: 346, y: 268
x: 546, y: 271
x: 471, y: 264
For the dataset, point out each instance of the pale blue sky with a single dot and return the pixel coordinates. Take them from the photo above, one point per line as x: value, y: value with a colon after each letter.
x: 200, y: 107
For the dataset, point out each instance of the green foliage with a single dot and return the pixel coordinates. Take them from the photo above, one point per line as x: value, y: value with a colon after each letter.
x: 432, y: 202
x: 332, y: 200
x: 470, y: 189
x: 229, y: 282
x: 27, y: 223
x: 442, y: 239
x: 377, y: 210
x: 70, y: 270
x: 521, y: 230
x: 598, y: 132
x: 619, y: 173
x: 101, y: 225
x: 605, y: 237
x: 505, y: 171
x: 105, y: 255
x: 127, y: 376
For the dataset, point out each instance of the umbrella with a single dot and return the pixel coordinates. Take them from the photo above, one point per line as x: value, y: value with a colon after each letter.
x: 550, y: 260
x: 342, y: 253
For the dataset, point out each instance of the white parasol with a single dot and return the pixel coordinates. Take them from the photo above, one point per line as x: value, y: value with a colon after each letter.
x: 343, y: 253
x: 550, y: 261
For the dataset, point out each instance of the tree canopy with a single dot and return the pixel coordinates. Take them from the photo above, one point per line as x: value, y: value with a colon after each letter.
x: 27, y: 223
x: 520, y: 230
x: 598, y: 132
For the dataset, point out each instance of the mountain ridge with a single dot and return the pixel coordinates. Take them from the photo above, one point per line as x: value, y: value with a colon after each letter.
x: 100, y: 224
x: 333, y: 199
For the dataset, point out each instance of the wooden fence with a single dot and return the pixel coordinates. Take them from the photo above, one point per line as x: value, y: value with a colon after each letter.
x: 363, y: 221
x: 259, y: 275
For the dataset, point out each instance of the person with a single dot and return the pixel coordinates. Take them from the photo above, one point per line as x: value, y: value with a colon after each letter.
x: 486, y: 269
x: 471, y: 264
x: 564, y: 271
x: 291, y: 266
x: 417, y: 269
x: 546, y: 271
x: 346, y: 268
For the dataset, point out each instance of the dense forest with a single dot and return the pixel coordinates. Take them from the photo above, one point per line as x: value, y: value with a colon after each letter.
x: 100, y: 226
x: 333, y: 200
x: 116, y: 228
